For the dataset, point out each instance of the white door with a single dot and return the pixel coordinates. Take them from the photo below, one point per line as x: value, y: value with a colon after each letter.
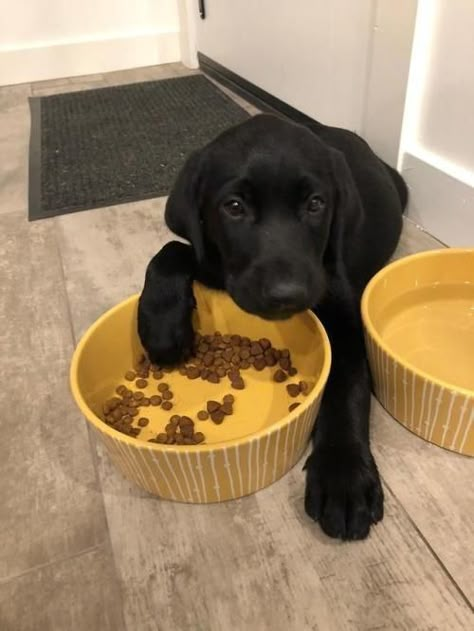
x: 342, y: 62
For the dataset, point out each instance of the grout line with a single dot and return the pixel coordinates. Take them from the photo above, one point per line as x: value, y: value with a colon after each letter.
x: 92, y: 447
x: 42, y: 566
x: 429, y: 546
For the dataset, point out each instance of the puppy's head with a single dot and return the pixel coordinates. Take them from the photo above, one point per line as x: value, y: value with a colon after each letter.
x: 259, y: 202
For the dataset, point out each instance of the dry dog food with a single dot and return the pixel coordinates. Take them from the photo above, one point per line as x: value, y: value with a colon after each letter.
x: 215, y: 357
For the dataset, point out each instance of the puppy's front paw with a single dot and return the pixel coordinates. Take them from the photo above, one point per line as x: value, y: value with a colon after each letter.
x: 166, y: 304
x: 343, y: 491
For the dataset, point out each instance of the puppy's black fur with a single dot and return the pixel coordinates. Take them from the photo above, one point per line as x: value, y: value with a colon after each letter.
x: 286, y: 217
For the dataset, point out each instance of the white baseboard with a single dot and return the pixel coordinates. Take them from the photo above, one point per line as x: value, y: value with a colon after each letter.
x: 439, y: 202
x: 54, y: 60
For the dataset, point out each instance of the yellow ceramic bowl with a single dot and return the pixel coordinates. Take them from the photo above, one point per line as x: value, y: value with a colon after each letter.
x: 254, y: 447
x: 418, y: 314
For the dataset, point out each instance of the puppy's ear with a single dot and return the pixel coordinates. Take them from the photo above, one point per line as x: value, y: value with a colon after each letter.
x: 348, y: 213
x: 182, y: 212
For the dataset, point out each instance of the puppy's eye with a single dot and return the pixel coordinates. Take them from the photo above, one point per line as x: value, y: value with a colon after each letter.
x: 234, y: 208
x: 315, y: 204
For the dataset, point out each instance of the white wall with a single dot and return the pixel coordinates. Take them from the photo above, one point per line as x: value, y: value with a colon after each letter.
x: 42, y: 39
x: 437, y: 146
x: 311, y: 54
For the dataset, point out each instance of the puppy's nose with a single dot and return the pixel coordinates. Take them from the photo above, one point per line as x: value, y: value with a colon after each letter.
x: 287, y: 295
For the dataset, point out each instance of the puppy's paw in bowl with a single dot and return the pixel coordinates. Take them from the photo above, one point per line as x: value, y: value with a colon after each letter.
x: 343, y: 491
x: 166, y: 304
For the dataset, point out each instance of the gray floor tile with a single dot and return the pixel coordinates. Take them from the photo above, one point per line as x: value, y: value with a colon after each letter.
x: 78, y: 594
x: 257, y: 563
x: 50, y: 502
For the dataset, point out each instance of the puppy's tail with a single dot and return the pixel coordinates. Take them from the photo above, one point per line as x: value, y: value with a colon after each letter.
x: 400, y: 185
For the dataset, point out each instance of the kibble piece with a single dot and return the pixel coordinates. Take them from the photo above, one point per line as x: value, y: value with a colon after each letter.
x: 143, y: 421
x: 227, y: 408
x: 280, y: 376
x: 285, y: 363
x: 227, y: 339
x: 265, y: 343
x: 193, y: 372
x: 167, y: 405
x: 270, y: 358
x: 116, y: 415
x: 292, y: 371
x: 245, y: 341
x: 304, y: 387
x: 227, y: 354
x: 130, y: 375
x: 259, y: 363
x: 170, y: 429
x: 162, y: 387
x: 188, y: 440
x: 187, y: 431
x: 293, y: 389
x: 133, y: 403
x: 293, y: 406
x: 245, y: 364
x: 213, y: 377
x: 256, y: 349
x: 170, y: 440
x: 127, y: 394
x: 138, y: 395
x: 141, y: 383
x: 198, y: 438
x: 161, y: 438
x: 221, y: 372
x: 208, y: 359
x: 145, y: 401
x: 179, y: 439
x: 167, y: 395
x: 134, y: 431
x: 235, y: 359
x: 157, y: 375
x: 183, y: 371
x: 203, y: 415
x: 175, y: 420
x: 121, y: 389
x: 212, y: 406
x: 217, y: 416
x: 229, y: 398
x: 244, y: 353
x: 185, y: 421
x: 238, y: 384
x: 155, y: 400
x: 233, y: 373
x: 133, y: 411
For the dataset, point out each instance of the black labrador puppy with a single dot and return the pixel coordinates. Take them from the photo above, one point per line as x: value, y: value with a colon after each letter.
x: 286, y: 217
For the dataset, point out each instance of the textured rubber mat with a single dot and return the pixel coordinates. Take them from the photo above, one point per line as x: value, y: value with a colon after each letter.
x: 119, y: 144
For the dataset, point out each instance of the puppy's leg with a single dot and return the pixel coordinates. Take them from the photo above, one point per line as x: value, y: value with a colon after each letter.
x: 166, y: 305
x: 343, y: 489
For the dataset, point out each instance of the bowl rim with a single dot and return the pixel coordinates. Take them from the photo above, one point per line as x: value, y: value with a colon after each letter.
x: 372, y: 331
x: 103, y: 428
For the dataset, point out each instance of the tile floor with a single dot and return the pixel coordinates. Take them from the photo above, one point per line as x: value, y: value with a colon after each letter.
x: 82, y: 549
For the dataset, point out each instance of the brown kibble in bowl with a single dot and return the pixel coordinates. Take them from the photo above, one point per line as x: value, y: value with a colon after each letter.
x: 141, y: 383
x: 167, y: 395
x: 217, y: 417
x: 227, y: 408
x: 203, y: 415
x: 193, y: 372
x: 265, y: 343
x: 293, y: 406
x: 304, y: 387
x: 292, y: 371
x: 280, y: 376
x: 213, y: 406
x: 120, y: 390
x: 162, y: 387
x: 143, y: 421
x: 138, y: 395
x: 238, y: 384
x: 229, y: 398
x: 155, y: 399
x: 167, y: 405
x: 157, y: 375
x: 145, y: 401
x: 198, y: 438
x: 293, y: 389
x: 161, y: 438
x: 259, y: 363
x: 130, y: 375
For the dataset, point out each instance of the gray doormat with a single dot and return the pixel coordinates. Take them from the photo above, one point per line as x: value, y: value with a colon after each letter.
x: 119, y: 144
